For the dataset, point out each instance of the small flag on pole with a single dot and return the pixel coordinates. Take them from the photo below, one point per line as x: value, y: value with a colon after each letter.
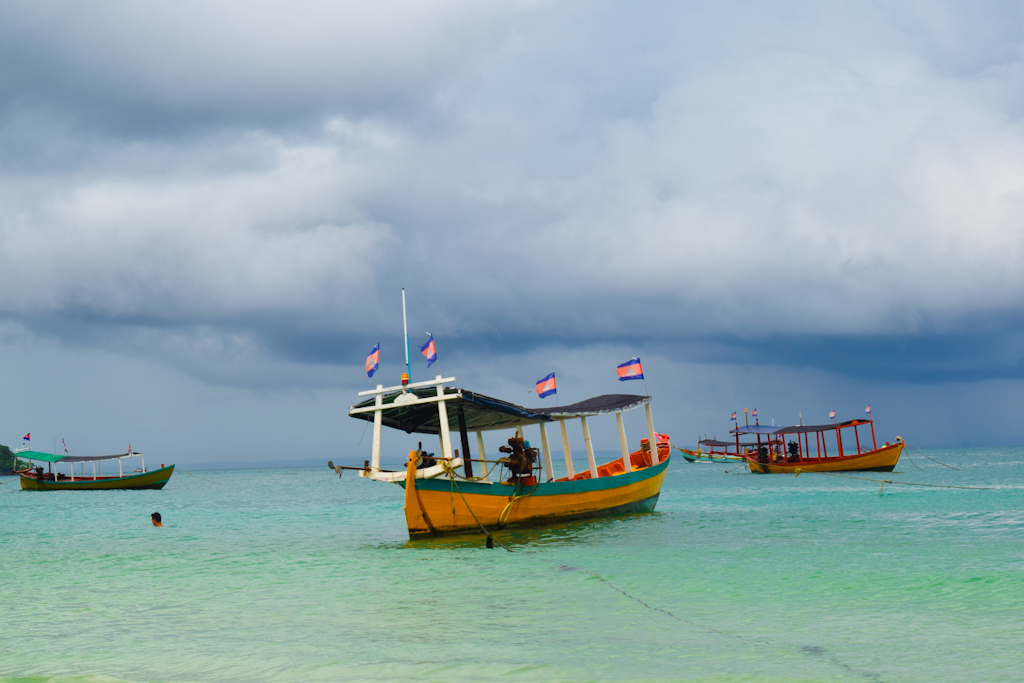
x: 631, y: 369
x: 868, y: 411
x: 832, y: 414
x: 64, y: 444
x: 27, y: 437
x: 373, y: 360
x: 546, y: 386
x: 428, y: 351
x: 733, y: 418
x: 753, y: 413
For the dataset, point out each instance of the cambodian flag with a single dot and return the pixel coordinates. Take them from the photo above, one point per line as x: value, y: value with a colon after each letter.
x: 546, y: 386
x: 631, y: 369
x: 754, y: 414
x: 832, y: 414
x: 428, y: 351
x: 373, y: 360
x: 27, y: 437
x: 868, y: 411
x: 733, y: 418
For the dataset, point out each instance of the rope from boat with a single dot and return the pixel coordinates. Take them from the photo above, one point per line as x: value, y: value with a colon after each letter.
x: 892, y: 481
x: 932, y: 459
x: 451, y: 475
x: 203, y: 478
x: 914, y: 463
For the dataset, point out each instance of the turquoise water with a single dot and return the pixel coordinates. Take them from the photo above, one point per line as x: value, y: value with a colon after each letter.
x: 295, y: 575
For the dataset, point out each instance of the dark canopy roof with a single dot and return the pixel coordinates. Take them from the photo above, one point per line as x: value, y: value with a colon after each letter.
x: 796, y: 429
x: 609, y: 403
x: 483, y: 412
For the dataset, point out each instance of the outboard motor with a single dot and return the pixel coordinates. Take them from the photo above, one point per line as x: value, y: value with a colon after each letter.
x: 521, y: 457
x: 39, y: 473
x: 794, y: 451
x: 762, y: 454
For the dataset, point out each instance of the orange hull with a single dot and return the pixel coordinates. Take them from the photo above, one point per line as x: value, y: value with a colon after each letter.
x: 882, y: 460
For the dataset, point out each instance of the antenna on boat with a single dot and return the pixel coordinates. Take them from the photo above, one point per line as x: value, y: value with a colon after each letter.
x: 405, y: 324
x: 801, y: 418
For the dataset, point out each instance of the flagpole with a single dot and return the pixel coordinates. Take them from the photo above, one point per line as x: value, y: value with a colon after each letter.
x: 405, y: 325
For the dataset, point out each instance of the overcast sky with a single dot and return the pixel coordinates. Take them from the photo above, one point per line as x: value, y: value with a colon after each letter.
x: 208, y: 211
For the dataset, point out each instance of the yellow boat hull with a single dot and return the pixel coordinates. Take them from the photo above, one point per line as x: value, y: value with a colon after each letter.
x: 155, y: 479
x: 882, y: 460
x: 436, y: 507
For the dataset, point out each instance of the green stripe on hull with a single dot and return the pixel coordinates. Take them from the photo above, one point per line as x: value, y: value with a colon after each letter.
x: 552, y: 488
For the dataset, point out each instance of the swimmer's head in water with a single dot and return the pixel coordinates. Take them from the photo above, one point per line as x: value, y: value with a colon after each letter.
x: 157, y: 520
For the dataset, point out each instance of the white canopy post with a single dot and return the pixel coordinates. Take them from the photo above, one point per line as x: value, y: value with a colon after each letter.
x: 143, y: 457
x: 623, y: 443
x: 549, y: 471
x: 378, y: 401
x: 483, y: 458
x: 652, y: 437
x: 442, y: 414
x: 590, y: 448
x: 99, y: 466
x: 570, y: 472
x: 120, y: 470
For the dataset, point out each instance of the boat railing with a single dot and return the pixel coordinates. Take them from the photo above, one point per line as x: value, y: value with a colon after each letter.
x: 450, y: 457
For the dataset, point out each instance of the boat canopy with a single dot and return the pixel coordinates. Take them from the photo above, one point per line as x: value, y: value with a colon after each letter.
x: 796, y: 429
x: 52, y: 457
x: 716, y: 442
x: 599, y: 405
x: 482, y: 413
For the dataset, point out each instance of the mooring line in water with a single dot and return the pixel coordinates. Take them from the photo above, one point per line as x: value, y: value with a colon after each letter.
x: 203, y: 478
x: 811, y: 649
x: 914, y: 463
x: 892, y: 481
x: 932, y: 459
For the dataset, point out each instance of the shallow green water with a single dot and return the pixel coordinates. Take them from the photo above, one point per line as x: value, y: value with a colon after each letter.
x: 293, y: 575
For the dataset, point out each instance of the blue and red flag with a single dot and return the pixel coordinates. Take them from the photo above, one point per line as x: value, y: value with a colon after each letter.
x: 27, y: 437
x: 373, y: 360
x: 754, y: 413
x: 428, y: 351
x: 868, y: 411
x: 631, y: 369
x: 546, y: 386
x: 733, y: 418
x: 832, y: 414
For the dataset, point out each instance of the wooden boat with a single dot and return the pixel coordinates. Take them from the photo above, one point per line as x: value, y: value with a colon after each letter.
x: 35, y: 479
x: 444, y: 496
x: 713, y: 450
x: 799, y: 456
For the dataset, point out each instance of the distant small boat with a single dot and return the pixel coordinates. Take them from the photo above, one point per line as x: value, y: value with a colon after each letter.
x: 712, y: 450
x: 35, y: 479
x: 775, y: 456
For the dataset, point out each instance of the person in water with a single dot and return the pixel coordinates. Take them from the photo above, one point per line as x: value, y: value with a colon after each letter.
x: 156, y: 519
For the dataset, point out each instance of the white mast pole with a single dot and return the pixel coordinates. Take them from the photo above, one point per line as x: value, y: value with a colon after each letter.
x: 590, y: 448
x: 548, y: 469
x: 378, y: 403
x: 652, y: 437
x: 405, y: 325
x: 623, y: 443
x: 483, y: 458
x: 568, y: 453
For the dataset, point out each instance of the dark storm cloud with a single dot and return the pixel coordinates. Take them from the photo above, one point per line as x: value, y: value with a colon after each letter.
x: 237, y: 188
